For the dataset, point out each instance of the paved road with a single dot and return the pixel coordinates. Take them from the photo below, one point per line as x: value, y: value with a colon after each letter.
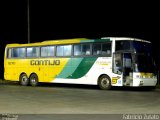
x: 73, y: 99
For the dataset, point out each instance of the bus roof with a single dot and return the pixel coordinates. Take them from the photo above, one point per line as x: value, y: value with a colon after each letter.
x: 125, y: 38
x: 74, y: 40
x: 58, y: 41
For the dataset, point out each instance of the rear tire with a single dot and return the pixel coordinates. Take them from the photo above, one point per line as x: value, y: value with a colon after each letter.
x: 33, y: 80
x: 23, y: 79
x: 104, y: 82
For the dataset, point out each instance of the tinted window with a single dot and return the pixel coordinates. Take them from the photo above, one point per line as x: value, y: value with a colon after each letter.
x: 47, y: 51
x: 102, y: 49
x: 86, y: 49
x: 142, y: 46
x: 97, y: 49
x: 64, y: 50
x: 51, y: 51
x: 17, y: 52
x: 123, y: 45
x: 59, y: 51
x: 77, y: 50
x: 144, y: 63
x: 44, y: 51
x: 82, y: 49
x: 67, y: 50
x: 33, y: 52
x: 106, y: 49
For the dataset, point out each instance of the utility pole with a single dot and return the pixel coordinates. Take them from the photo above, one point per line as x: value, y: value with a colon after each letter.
x: 28, y: 21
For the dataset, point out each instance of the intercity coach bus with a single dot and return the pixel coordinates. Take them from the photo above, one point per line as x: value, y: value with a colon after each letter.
x: 106, y: 62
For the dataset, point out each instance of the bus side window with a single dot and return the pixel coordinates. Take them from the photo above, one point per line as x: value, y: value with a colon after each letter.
x: 21, y: 52
x: 47, y: 51
x: 44, y: 51
x: 64, y: 50
x: 59, y: 51
x: 15, y: 52
x: 106, y: 49
x: 96, y: 49
x: 77, y: 50
x: 33, y: 51
x: 86, y: 50
x: 67, y: 50
x: 51, y: 51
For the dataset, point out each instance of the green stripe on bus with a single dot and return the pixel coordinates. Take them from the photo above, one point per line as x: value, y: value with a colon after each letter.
x: 70, y: 67
x: 94, y: 40
x: 83, y: 68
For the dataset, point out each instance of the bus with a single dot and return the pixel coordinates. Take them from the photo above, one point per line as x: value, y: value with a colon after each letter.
x: 106, y: 62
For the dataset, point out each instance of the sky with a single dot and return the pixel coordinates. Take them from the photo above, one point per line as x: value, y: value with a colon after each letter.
x: 51, y: 20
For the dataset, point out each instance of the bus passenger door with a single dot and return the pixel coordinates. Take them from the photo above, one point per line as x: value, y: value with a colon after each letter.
x: 122, y: 69
x: 117, y: 70
x: 127, y: 69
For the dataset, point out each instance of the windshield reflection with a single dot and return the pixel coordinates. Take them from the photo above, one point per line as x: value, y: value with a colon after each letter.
x: 144, y: 63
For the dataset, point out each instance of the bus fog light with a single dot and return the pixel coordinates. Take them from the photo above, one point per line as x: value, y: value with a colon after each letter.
x: 141, y: 82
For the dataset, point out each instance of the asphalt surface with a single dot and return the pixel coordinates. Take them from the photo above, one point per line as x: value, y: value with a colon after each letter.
x: 76, y: 99
x: 80, y: 102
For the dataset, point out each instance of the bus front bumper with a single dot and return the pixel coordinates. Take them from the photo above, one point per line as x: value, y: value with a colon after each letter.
x: 144, y: 82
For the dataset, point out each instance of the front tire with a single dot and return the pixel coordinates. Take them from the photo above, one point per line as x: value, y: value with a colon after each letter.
x: 23, y: 79
x: 33, y: 80
x: 104, y: 82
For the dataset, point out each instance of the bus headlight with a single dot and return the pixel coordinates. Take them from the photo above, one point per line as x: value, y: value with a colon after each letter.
x: 137, y: 76
x: 146, y: 76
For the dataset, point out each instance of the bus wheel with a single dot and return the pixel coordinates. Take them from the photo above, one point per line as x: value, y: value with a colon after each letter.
x: 104, y: 82
x: 24, y: 79
x: 33, y: 80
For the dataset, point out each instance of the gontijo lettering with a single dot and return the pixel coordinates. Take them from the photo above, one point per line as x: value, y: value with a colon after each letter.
x: 45, y: 62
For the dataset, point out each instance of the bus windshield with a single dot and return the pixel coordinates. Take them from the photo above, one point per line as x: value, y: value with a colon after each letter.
x: 144, y: 63
x: 136, y: 46
x: 142, y: 47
